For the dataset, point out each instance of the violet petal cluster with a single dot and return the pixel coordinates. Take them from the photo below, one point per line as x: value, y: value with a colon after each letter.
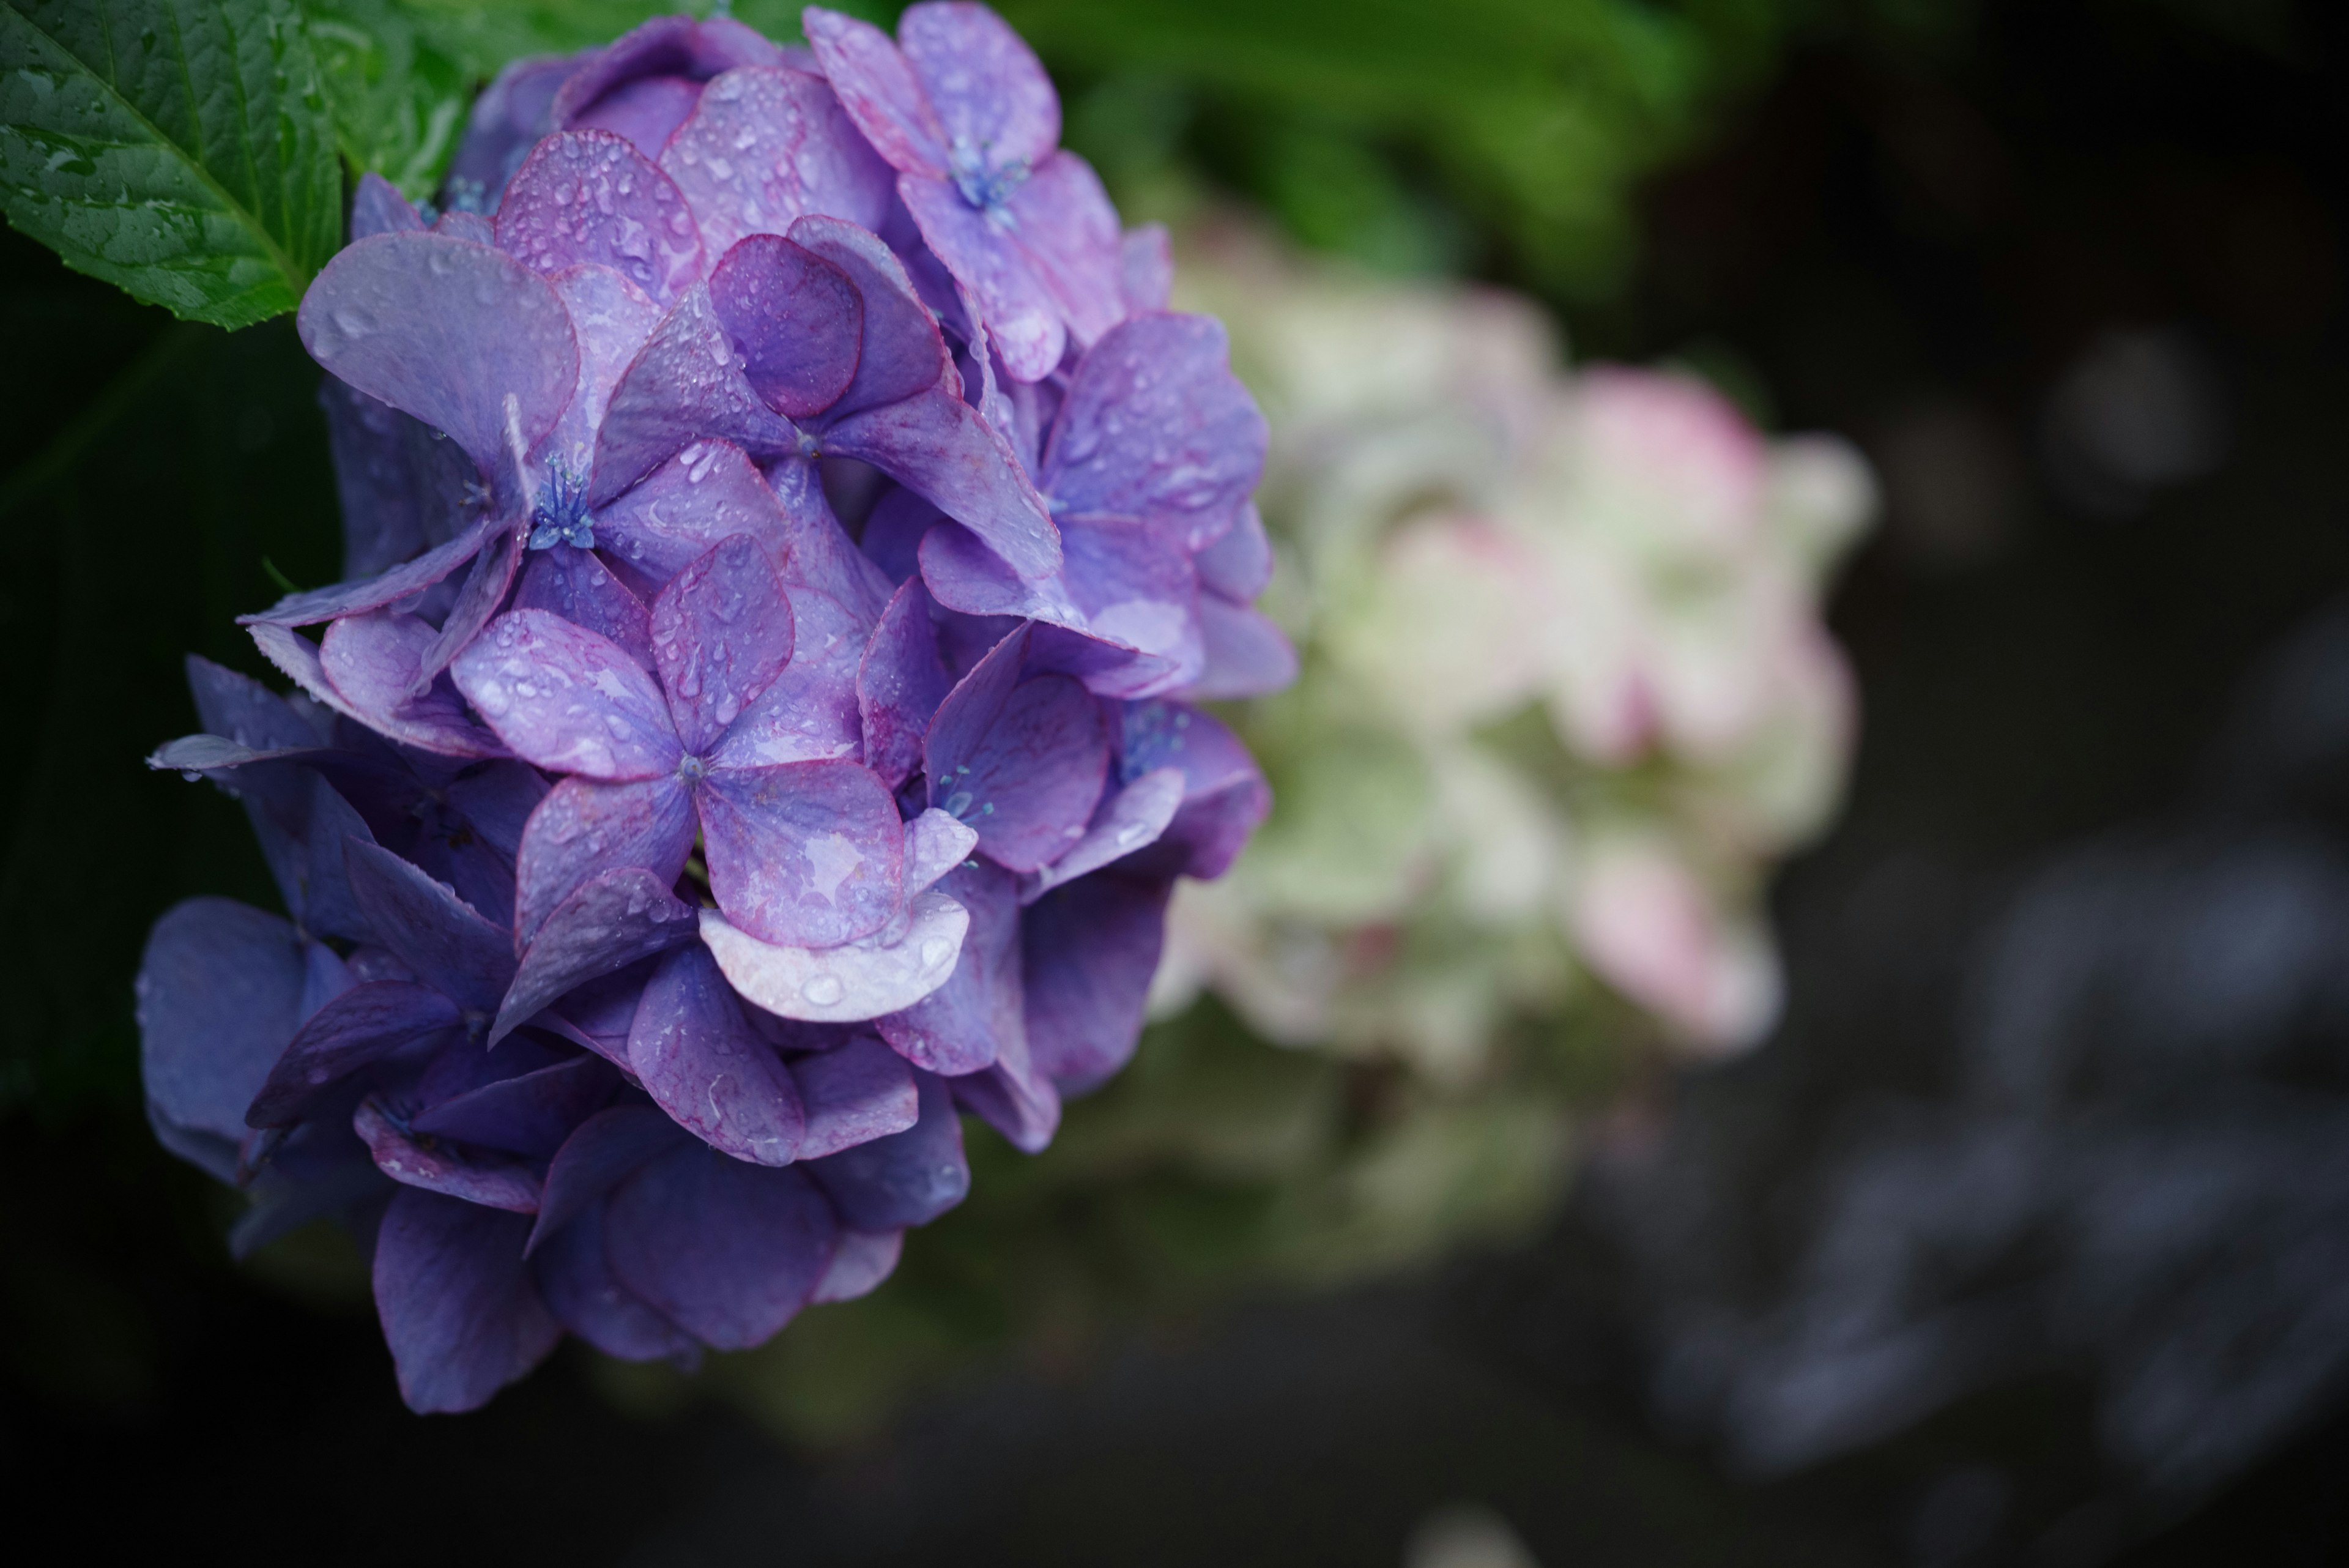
x: 666, y: 865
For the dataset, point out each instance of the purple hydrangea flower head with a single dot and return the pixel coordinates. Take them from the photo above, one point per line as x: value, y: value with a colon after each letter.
x: 666, y: 867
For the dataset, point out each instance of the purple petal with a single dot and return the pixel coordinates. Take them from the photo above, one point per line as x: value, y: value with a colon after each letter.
x: 795, y: 320
x: 1224, y: 798
x: 970, y: 709
x: 706, y: 492
x: 698, y: 1058
x: 588, y: 196
x: 616, y: 918
x: 767, y: 145
x: 1239, y: 564
x: 378, y: 208
x: 803, y: 854
x: 684, y: 386
x: 820, y: 555
x: 1064, y: 225
x: 373, y: 662
x: 961, y: 1027
x: 430, y: 929
x: 485, y: 589
x: 1013, y: 1097
x: 508, y: 120
x: 529, y: 1113
x: 643, y: 82
x: 1247, y: 655
x: 601, y: 1152
x: 580, y: 1288
x: 899, y: 351
x: 364, y: 1025
x: 471, y: 227
x: 878, y: 90
x: 314, y: 605
x: 1089, y: 951
x: 1127, y: 823
x: 572, y: 584
x: 244, y: 710
x: 400, y: 489
x: 1122, y: 586
x: 1145, y: 269
x: 721, y: 632
x: 729, y: 1252
x: 900, y: 682
x: 983, y: 81
x: 909, y: 1178
x: 854, y: 1094
x: 848, y: 983
x: 497, y: 799
x: 459, y: 1310
x: 449, y: 331
x: 1024, y: 320
x: 611, y: 319
x: 859, y: 1264
x: 220, y: 994
x: 941, y: 448
x: 1030, y: 783
x: 492, y: 1180
x: 568, y: 699
x: 809, y: 713
x: 583, y: 829
x: 935, y: 845
x: 1170, y: 376
x: 893, y: 533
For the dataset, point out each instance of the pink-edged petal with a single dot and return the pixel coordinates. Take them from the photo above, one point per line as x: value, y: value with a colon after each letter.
x: 1238, y: 564
x: 493, y: 1180
x: 849, y: 983
x: 572, y: 584
x: 1130, y: 821
x: 1030, y: 783
x: 378, y: 208
x: 314, y: 605
x: 854, y: 1094
x: 721, y: 632
x: 1024, y: 319
x: 583, y: 829
x: 969, y: 710
x: 820, y: 555
x: 708, y: 491
x: 1145, y: 269
x: 697, y: 1057
x: 601, y: 1152
x: 609, y: 924
x: 908, y: 1178
x: 1065, y: 225
x: 458, y: 1307
x: 900, y: 351
x: 567, y: 699
x: 793, y: 318
x: 364, y: 1025
x: 1090, y: 949
x: 728, y: 1250
x: 372, y: 662
x: 859, y: 1264
x: 1170, y: 376
x: 1013, y: 1097
x: 961, y: 1027
x: 485, y: 591
x: 900, y: 681
x: 803, y: 854
x: 767, y: 145
x: 1224, y: 793
x: 1124, y: 587
x: 644, y: 83
x: 878, y: 90
x: 471, y: 227
x: 589, y: 196
x: 575, y: 1279
x: 942, y: 449
x: 428, y: 928
x: 612, y: 320
x: 935, y: 845
x: 446, y: 330
x: 809, y: 713
x: 684, y: 386
x: 1247, y: 655
x: 529, y: 1113
x: 985, y: 84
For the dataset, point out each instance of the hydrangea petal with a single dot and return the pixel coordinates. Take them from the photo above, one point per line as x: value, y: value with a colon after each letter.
x: 601, y: 1152
x: 1065, y: 226
x: 612, y: 320
x: 449, y: 331
x: 859, y: 1092
x: 508, y: 120
x: 1224, y: 793
x: 795, y: 320
x: 728, y: 1250
x: 697, y: 1057
x: 899, y: 350
x: 767, y: 145
x: 674, y: 54
x: 900, y: 681
x: 457, y: 1303
x: 430, y: 929
x: 935, y: 845
x: 529, y: 1113
x: 1145, y: 269
x: 571, y: 584
x: 684, y: 386
x: 497, y: 799
x: 721, y: 632
x: 859, y: 1264
x: 1090, y: 949
x: 373, y: 662
x: 362, y: 1025
x: 485, y: 589
x: 1023, y: 319
x: 220, y: 994
x: 849, y: 983
x: 588, y: 196
x: 609, y: 924
x: 820, y: 555
x: 1127, y: 823
x: 803, y: 854
x: 494, y: 1182
x: 378, y: 208
x: 401, y: 491
x: 1122, y: 586
x: 1013, y: 1097
x: 312, y: 606
x: 984, y: 83
x: 707, y: 492
x: 1245, y: 654
x: 908, y: 1178
x: 1030, y: 786
x: 568, y: 699
x: 576, y: 1281
x: 583, y: 829
x: 244, y: 710
x: 809, y: 713
x: 878, y: 90
x: 959, y: 1027
x: 1238, y: 564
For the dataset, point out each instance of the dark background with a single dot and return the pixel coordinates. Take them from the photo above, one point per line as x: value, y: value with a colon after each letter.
x: 1919, y: 241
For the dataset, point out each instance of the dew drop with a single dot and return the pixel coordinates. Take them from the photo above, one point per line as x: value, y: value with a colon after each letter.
x: 823, y: 990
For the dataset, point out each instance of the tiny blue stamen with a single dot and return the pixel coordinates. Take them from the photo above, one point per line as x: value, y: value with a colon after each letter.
x: 985, y: 186
x: 692, y: 770
x: 560, y: 515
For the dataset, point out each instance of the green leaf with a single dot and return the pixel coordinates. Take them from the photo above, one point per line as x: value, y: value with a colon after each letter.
x: 400, y: 96
x: 180, y: 148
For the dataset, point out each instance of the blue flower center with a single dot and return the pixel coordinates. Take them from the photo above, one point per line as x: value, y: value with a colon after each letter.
x: 692, y: 770
x: 985, y: 186
x: 560, y: 515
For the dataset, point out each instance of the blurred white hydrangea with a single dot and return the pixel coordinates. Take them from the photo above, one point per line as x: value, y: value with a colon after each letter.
x: 1567, y: 695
